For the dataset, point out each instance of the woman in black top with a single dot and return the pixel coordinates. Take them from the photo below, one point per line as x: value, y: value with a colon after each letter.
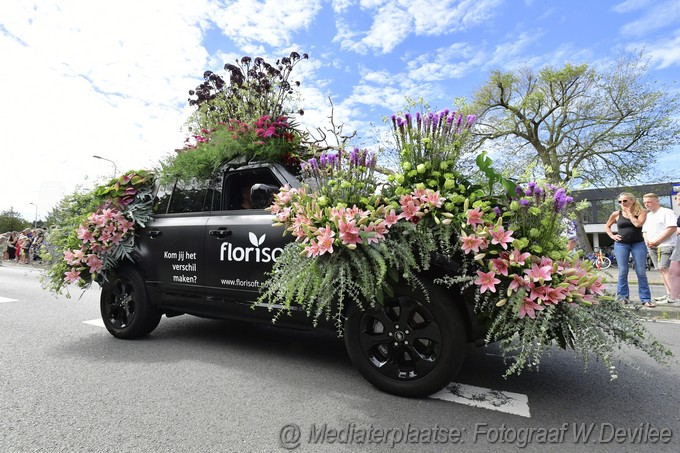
x: 629, y: 241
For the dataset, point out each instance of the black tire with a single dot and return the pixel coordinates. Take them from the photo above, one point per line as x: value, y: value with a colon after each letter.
x: 125, y: 307
x: 408, y: 346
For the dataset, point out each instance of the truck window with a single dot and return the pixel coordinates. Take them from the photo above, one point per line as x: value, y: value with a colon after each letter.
x: 237, y: 188
x: 185, y: 197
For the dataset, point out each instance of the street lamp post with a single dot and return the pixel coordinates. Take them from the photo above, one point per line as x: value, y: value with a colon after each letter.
x: 115, y: 169
x: 35, y: 220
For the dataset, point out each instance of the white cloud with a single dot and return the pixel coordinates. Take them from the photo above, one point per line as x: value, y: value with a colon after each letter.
x: 452, y: 62
x: 656, y: 17
x: 392, y: 22
x: 628, y: 6
x: 391, y: 26
x: 272, y: 21
x: 81, y: 79
x: 665, y: 53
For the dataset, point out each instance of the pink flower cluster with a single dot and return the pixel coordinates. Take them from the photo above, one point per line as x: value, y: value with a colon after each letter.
x: 321, y: 228
x: 101, y: 231
x: 533, y: 282
x: 418, y: 203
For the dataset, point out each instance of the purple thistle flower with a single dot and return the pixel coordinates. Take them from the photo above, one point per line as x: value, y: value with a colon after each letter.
x: 313, y: 164
x: 471, y: 120
x: 323, y: 160
x: 524, y: 202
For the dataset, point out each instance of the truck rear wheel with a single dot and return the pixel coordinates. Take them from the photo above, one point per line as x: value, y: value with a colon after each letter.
x: 125, y: 306
x: 408, y: 346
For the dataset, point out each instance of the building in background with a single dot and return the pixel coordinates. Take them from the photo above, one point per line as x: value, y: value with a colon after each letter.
x: 603, y: 203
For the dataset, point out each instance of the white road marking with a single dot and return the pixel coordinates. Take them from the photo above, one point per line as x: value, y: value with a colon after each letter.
x: 508, y: 402
x: 7, y: 299
x: 95, y: 322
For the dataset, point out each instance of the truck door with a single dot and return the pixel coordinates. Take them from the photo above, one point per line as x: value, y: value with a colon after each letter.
x: 241, y: 244
x: 172, y: 243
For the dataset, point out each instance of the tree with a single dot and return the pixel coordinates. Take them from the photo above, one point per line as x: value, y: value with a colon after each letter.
x: 12, y: 221
x: 578, y: 125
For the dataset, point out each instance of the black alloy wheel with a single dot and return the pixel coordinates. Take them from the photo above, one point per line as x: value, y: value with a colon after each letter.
x: 408, y: 346
x: 125, y: 306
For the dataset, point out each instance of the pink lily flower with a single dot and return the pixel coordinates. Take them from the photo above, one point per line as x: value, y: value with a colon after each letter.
x: 502, y: 237
x: 471, y: 243
x: 500, y: 266
x: 72, y: 276
x: 487, y: 281
x: 474, y: 217
x: 409, y: 211
x: 349, y: 232
x: 312, y: 249
x: 517, y: 257
x: 537, y: 273
x: 518, y: 282
x: 529, y: 307
x: 94, y: 263
x: 391, y: 218
x: 325, y: 240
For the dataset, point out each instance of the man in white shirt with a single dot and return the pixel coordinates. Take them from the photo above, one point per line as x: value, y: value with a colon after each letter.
x: 659, y: 233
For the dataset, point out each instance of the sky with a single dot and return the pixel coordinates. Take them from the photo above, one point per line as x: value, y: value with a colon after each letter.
x: 81, y: 78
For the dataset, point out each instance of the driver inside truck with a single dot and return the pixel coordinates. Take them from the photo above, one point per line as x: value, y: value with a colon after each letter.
x: 246, y: 202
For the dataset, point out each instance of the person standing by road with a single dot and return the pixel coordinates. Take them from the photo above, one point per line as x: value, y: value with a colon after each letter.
x: 628, y: 240
x: 659, y: 233
x: 674, y: 268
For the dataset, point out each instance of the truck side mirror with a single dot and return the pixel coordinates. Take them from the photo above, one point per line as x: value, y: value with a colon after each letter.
x: 262, y: 195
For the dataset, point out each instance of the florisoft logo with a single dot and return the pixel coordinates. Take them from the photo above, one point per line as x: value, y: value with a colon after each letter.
x: 256, y: 253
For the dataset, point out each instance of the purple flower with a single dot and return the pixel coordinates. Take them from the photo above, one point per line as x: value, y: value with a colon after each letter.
x: 331, y: 160
x: 531, y: 187
x: 354, y: 157
x: 560, y: 200
x: 497, y: 211
x: 313, y: 164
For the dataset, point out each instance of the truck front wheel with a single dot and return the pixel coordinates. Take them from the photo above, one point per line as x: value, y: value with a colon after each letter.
x: 408, y: 346
x: 125, y: 306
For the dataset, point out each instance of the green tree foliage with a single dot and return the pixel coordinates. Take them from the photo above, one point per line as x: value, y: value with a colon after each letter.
x: 11, y: 221
x: 577, y: 124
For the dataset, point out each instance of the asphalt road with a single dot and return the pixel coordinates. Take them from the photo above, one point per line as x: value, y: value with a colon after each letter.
x: 198, y: 385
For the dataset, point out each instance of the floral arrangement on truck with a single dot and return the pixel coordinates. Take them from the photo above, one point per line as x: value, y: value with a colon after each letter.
x: 359, y: 232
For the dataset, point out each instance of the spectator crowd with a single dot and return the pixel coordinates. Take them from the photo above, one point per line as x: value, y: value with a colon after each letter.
x: 22, y: 247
